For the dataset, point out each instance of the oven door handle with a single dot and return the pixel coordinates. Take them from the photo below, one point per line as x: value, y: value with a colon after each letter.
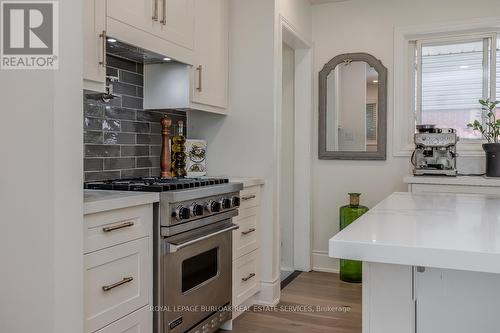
x: 171, y: 248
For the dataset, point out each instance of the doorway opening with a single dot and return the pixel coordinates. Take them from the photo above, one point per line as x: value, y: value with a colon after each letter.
x: 294, y: 135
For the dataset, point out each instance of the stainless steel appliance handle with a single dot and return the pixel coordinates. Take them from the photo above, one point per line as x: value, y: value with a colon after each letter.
x: 103, y: 61
x: 155, y: 10
x: 245, y: 279
x: 176, y: 247
x: 116, y: 284
x: 118, y: 226
x: 248, y: 197
x: 249, y: 231
x: 164, y: 20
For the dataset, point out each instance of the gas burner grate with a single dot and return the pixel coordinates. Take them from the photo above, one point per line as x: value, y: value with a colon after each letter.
x: 153, y: 184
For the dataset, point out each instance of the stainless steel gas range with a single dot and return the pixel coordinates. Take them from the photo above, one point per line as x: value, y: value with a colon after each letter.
x: 192, y: 250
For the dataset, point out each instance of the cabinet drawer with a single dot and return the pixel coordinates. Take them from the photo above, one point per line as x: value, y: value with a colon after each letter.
x: 118, y: 226
x: 246, y: 277
x: 116, y: 282
x: 140, y: 321
x: 250, y: 197
x: 246, y: 238
x: 417, y: 188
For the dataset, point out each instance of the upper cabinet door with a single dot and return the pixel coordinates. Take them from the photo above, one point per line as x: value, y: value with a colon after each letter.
x: 171, y: 20
x: 177, y: 22
x: 140, y: 14
x: 94, y: 53
x: 210, y: 70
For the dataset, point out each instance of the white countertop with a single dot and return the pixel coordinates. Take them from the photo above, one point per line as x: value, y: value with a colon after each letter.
x: 96, y: 201
x: 459, y: 180
x: 247, y: 181
x: 445, y: 230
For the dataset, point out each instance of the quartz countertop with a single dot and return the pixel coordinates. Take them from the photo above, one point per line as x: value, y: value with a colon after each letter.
x: 459, y: 180
x: 96, y: 201
x: 444, y: 230
x: 247, y: 181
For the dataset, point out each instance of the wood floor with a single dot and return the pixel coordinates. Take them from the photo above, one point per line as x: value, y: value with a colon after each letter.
x: 341, y: 312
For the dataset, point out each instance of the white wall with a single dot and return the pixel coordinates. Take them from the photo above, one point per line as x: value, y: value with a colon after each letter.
x: 368, y: 26
x: 244, y: 143
x: 41, y: 190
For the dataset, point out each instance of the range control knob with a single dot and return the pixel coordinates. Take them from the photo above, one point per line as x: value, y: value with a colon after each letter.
x: 235, y: 201
x: 196, y: 210
x: 225, y: 203
x: 182, y: 213
x: 213, y: 206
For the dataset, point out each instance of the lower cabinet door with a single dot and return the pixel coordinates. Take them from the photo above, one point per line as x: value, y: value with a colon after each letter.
x: 140, y: 321
x: 246, y: 277
x: 117, y: 283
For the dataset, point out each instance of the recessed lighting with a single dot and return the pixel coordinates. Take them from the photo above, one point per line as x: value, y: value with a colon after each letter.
x: 167, y: 59
x: 112, y: 40
x: 375, y: 81
x: 464, y: 66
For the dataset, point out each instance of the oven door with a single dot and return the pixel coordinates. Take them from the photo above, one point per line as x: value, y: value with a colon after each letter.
x: 196, y: 275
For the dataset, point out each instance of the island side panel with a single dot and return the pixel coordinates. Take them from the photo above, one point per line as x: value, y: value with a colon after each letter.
x: 388, y: 305
x: 454, y: 301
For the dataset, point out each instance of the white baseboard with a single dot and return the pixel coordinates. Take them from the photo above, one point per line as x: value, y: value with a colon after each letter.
x: 270, y: 292
x: 323, y: 263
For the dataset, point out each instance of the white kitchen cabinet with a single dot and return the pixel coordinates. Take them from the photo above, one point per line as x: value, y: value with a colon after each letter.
x: 460, y: 184
x: 94, y: 52
x: 210, y: 70
x: 118, y: 265
x: 246, y: 245
x: 141, y: 321
x: 116, y: 282
x: 162, y: 26
x: 456, y: 301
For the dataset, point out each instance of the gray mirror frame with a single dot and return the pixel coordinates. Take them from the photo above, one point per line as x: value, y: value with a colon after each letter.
x: 380, y: 154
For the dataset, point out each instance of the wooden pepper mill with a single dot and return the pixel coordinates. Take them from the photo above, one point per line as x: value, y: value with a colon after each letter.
x: 166, y: 155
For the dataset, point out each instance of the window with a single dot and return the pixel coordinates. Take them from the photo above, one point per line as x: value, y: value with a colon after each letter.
x: 451, y: 75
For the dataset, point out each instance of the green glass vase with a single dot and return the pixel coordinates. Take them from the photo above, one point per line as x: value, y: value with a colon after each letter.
x: 351, y: 270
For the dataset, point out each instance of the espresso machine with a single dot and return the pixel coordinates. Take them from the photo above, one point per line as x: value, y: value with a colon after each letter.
x: 435, y: 151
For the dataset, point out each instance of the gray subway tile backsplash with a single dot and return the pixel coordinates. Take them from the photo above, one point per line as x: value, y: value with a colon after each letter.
x: 119, y: 163
x: 102, y: 150
x: 135, y: 151
x: 135, y: 127
x: 121, y: 139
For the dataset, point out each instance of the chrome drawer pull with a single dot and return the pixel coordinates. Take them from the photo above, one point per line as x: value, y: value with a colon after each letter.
x: 248, y: 197
x: 249, y: 231
x: 119, y: 283
x: 245, y: 279
x: 118, y: 226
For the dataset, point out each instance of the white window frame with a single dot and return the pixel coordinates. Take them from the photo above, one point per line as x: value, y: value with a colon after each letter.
x: 404, y: 78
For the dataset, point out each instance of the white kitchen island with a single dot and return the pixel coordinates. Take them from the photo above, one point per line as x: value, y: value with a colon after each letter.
x: 431, y: 263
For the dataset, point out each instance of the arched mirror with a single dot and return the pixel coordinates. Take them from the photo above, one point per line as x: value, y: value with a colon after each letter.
x: 352, y: 108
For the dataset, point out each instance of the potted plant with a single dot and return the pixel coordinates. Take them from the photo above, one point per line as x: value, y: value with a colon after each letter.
x: 490, y: 130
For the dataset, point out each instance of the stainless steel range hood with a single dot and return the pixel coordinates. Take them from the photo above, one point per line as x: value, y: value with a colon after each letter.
x: 166, y: 81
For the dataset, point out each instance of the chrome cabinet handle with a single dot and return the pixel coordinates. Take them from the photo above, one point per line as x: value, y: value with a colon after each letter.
x: 248, y: 277
x: 116, y: 284
x: 103, y: 37
x: 164, y: 20
x: 249, y: 231
x: 118, y: 226
x: 248, y: 197
x: 155, y: 10
x: 199, y: 69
